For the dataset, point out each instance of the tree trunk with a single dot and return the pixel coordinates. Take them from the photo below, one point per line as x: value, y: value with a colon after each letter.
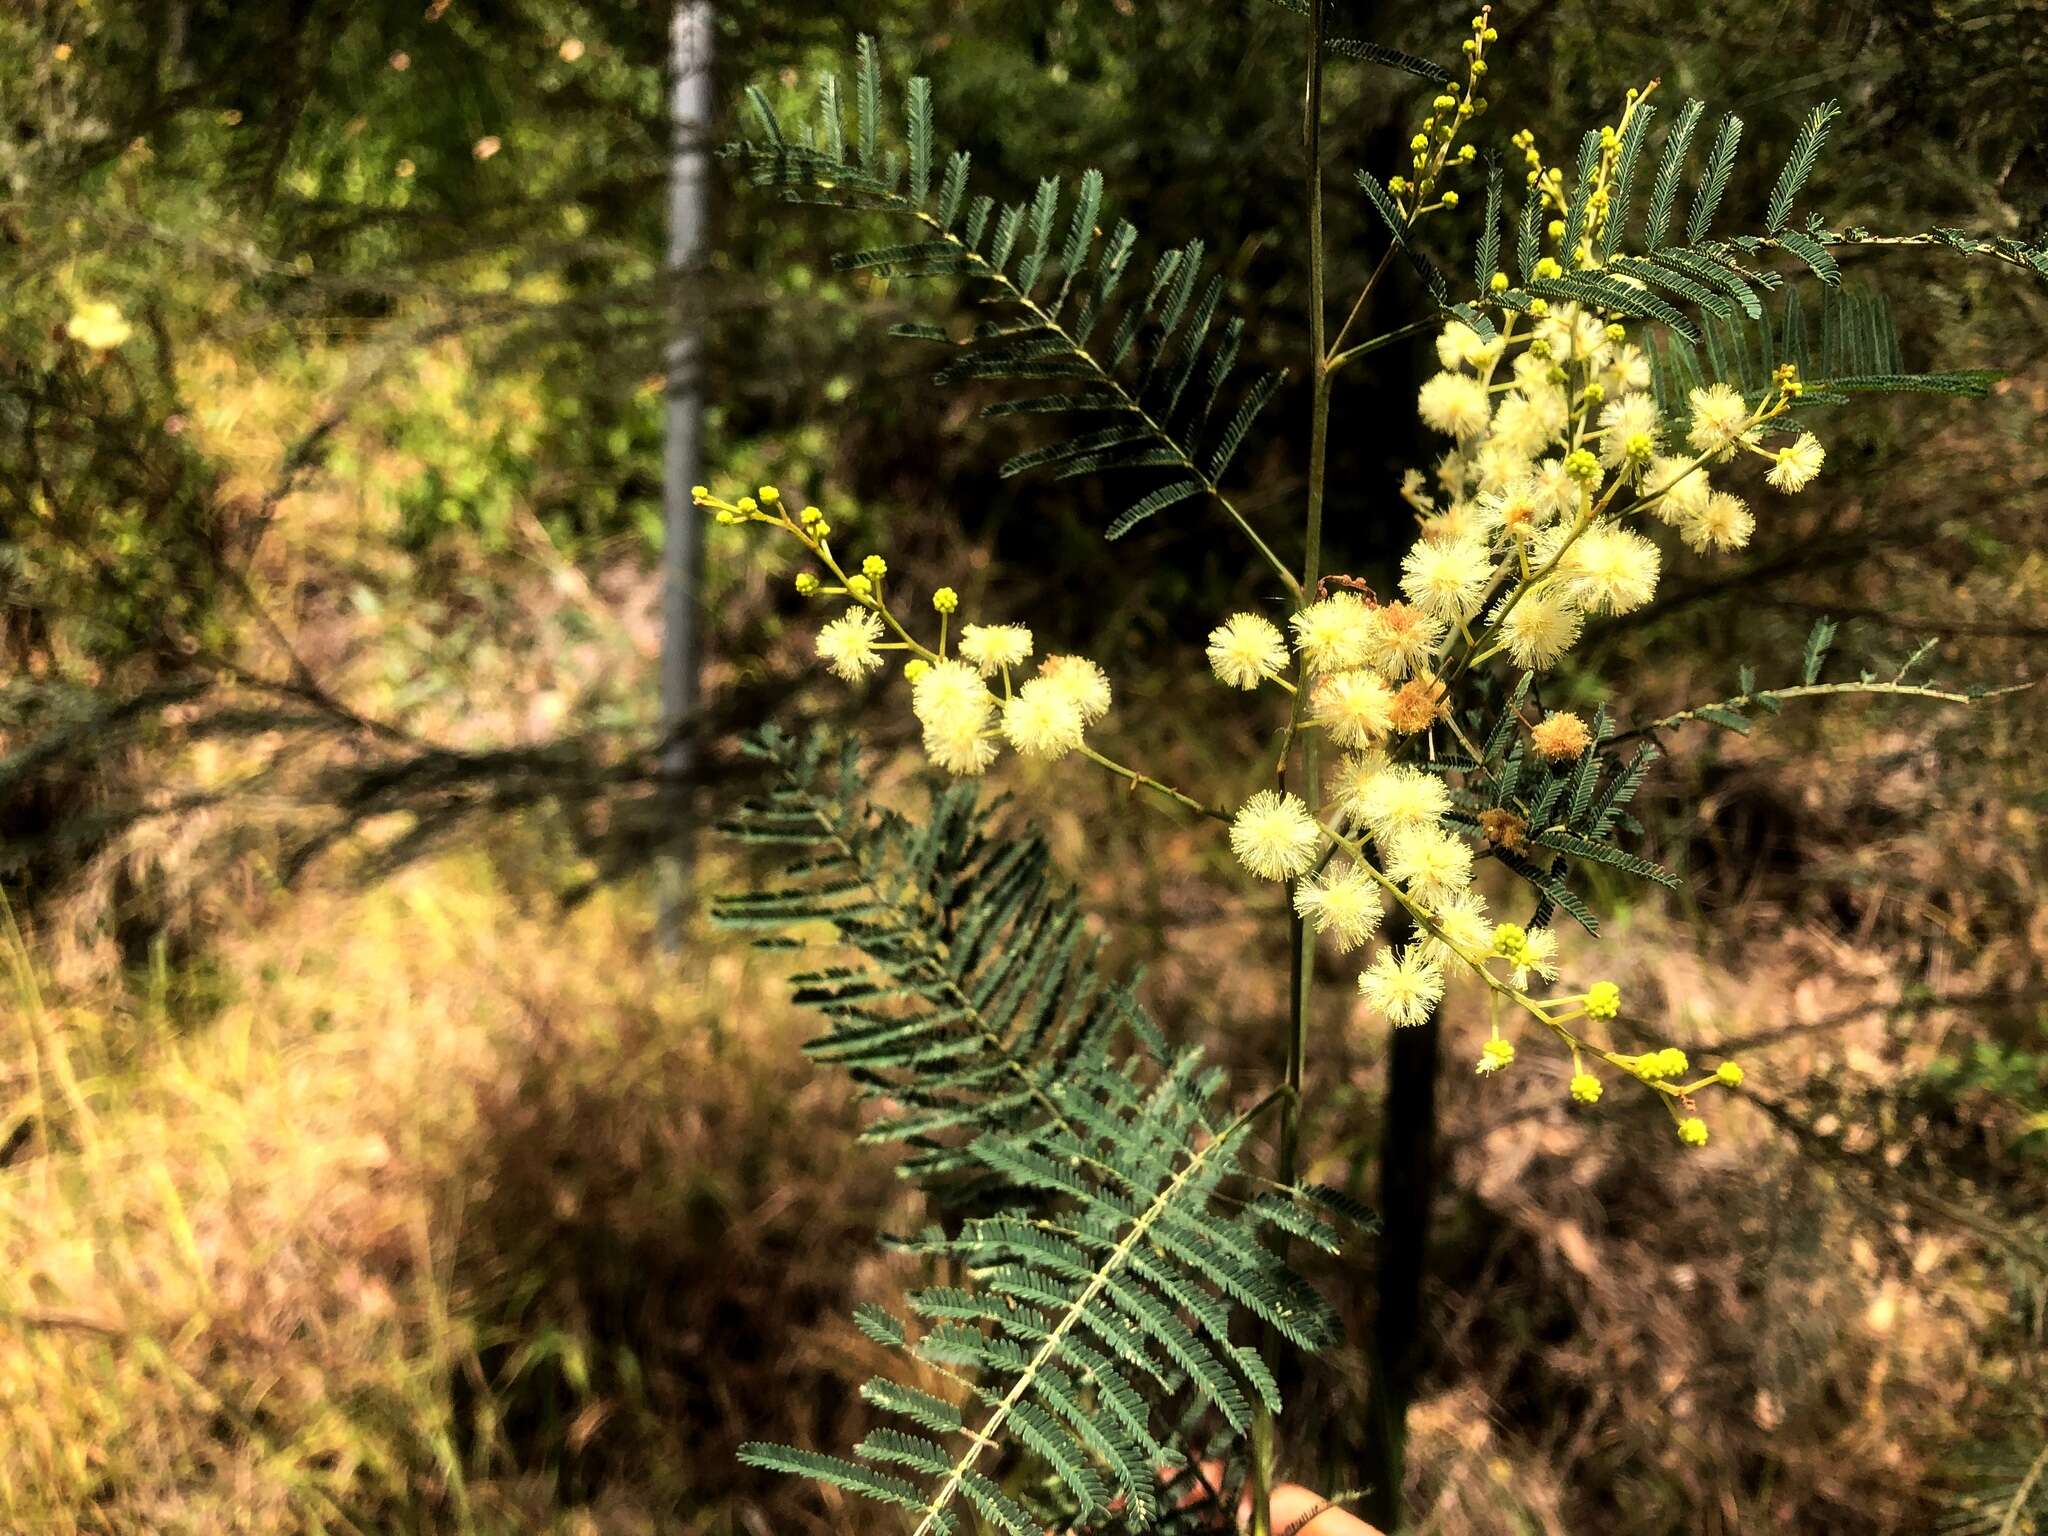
x: 690, y: 44
x: 1407, y: 1187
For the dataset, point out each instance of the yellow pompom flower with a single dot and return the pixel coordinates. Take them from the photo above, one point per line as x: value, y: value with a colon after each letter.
x: 1333, y: 634
x: 1042, y: 721
x: 1680, y: 489
x: 1078, y: 680
x: 1720, y: 420
x: 1432, y: 863
x: 1274, y: 836
x: 1539, y: 958
x: 1611, y: 569
x: 1401, y: 637
x: 1341, y: 899
x: 1624, y: 420
x: 1629, y: 368
x: 1515, y: 509
x: 1356, y: 708
x: 1603, y: 1001
x: 848, y: 644
x: 991, y: 647
x: 1794, y: 468
x: 946, y: 600
x: 1559, y: 736
x: 962, y: 752
x: 1724, y: 523
x: 1553, y: 487
x: 1586, y: 1088
x: 1530, y: 421
x: 1446, y: 580
x: 1494, y: 1055
x: 1540, y: 628
x: 1728, y: 1074
x: 1397, y: 799
x: 1345, y: 784
x: 1693, y: 1131
x: 1466, y: 927
x: 1245, y: 650
x: 1455, y: 403
x: 950, y: 693
x: 1459, y: 346
x: 98, y: 325
x: 1405, y: 987
x: 953, y: 705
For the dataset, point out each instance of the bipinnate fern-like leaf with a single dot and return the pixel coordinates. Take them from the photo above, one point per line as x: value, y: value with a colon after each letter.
x: 976, y: 992
x: 1140, y: 368
x: 1079, y: 1317
x: 1089, y: 1321
x: 1851, y: 349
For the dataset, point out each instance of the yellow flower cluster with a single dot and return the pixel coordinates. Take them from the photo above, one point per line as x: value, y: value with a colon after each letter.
x: 1434, y: 149
x: 1536, y: 519
x: 965, y: 694
x: 1557, y: 442
x: 1342, y: 889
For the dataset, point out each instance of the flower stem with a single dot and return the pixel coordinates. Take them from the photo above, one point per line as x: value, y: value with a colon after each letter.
x: 1145, y: 780
x: 1302, y: 937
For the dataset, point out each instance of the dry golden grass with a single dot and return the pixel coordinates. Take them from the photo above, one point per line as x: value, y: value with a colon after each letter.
x: 454, y: 1216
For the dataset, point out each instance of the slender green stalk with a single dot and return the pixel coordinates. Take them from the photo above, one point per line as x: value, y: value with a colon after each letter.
x: 1771, y: 696
x: 1139, y: 780
x: 1302, y: 967
x: 1385, y: 339
x: 1312, y: 556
